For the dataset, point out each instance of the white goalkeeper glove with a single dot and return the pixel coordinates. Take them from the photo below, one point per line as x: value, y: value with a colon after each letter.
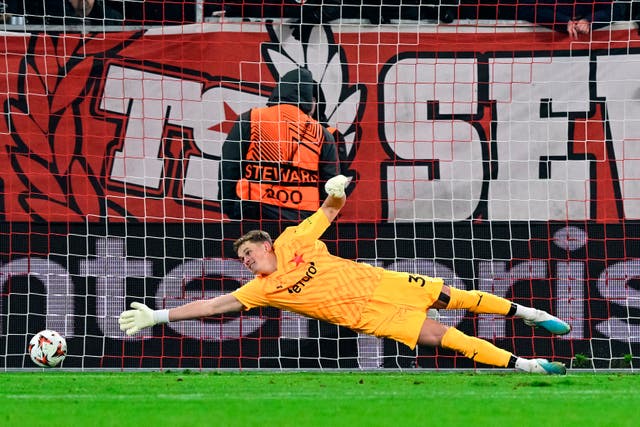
x: 131, y: 321
x: 335, y: 186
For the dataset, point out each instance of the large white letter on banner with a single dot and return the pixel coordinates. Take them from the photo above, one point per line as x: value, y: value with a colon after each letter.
x: 442, y: 178
x: 152, y: 101
x: 536, y: 179
x: 618, y: 84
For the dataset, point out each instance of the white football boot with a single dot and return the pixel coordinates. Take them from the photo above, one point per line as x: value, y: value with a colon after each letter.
x: 543, y: 366
x: 544, y: 320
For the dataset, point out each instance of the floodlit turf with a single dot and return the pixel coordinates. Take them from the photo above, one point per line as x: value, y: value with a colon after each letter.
x: 331, y: 399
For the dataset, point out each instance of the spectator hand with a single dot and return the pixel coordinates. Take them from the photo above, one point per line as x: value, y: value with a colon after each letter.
x: 577, y: 27
x: 571, y: 29
x: 335, y: 186
x: 132, y: 321
x: 583, y: 26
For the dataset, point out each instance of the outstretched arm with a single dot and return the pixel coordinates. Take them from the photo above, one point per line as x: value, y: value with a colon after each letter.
x: 205, y: 308
x: 141, y: 316
x: 336, y: 196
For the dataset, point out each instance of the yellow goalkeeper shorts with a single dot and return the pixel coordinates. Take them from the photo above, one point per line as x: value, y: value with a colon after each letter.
x: 398, y: 307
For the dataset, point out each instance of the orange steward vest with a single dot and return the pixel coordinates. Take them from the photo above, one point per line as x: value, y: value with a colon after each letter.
x: 281, y: 167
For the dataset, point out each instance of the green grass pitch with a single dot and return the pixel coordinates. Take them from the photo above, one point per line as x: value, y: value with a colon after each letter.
x: 331, y: 399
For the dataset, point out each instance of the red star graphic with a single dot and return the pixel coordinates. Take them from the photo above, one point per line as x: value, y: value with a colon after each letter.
x: 297, y: 259
x: 229, y: 118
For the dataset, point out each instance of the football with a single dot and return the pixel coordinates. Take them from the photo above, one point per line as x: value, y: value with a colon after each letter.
x: 47, y: 348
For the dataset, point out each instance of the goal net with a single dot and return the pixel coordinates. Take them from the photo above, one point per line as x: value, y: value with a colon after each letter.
x: 494, y: 152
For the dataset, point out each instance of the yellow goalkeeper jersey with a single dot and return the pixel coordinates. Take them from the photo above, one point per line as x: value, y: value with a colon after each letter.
x: 311, y: 281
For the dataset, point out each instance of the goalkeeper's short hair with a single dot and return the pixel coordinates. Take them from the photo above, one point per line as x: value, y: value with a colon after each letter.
x: 252, y: 236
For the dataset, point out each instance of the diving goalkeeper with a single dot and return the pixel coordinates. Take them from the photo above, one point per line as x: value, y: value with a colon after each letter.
x: 296, y: 272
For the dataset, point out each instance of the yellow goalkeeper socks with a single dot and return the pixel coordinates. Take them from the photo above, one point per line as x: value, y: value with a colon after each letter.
x: 474, y: 348
x: 478, y: 302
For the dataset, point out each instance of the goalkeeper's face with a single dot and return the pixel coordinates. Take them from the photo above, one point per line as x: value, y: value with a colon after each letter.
x: 258, y: 257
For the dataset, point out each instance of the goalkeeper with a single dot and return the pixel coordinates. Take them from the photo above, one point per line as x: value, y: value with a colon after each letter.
x: 296, y: 272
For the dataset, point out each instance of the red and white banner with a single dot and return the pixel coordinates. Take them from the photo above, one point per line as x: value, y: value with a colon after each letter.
x: 439, y: 126
x: 531, y: 136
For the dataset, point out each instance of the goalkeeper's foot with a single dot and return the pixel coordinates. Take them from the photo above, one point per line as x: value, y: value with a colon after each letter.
x: 544, y: 320
x: 543, y: 366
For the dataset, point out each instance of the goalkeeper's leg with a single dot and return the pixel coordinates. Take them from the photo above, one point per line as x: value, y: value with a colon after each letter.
x: 486, y: 303
x: 481, y: 351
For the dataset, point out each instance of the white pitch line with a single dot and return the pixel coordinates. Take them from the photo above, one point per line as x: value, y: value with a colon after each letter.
x: 412, y: 394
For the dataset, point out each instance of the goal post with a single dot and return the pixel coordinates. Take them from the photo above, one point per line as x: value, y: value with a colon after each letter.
x: 495, y: 154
